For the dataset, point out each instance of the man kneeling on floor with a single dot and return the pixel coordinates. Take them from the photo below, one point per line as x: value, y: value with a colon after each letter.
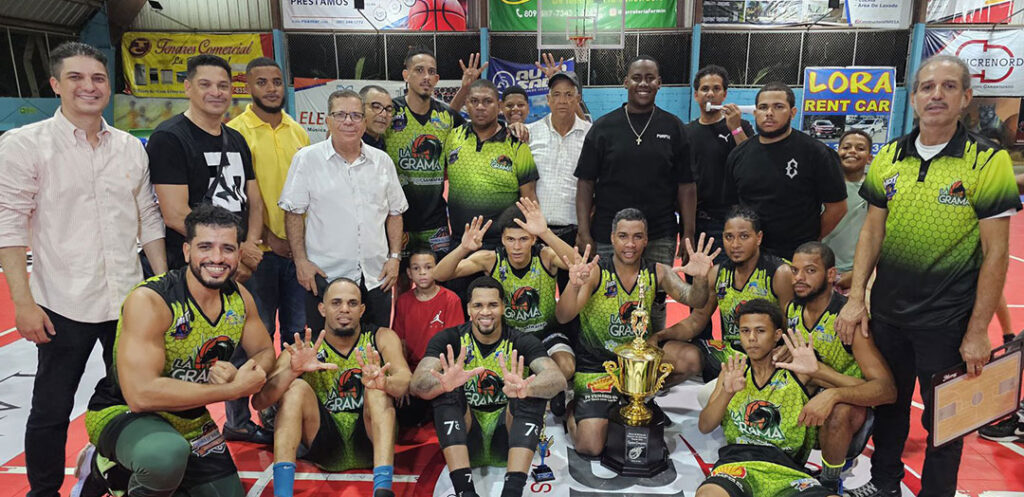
x: 491, y: 410
x: 768, y: 437
x: 337, y: 395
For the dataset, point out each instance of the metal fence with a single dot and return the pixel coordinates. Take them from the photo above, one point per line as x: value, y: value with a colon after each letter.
x: 24, y: 62
x: 373, y: 56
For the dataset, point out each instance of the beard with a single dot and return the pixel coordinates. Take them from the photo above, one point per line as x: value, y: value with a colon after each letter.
x: 197, y: 271
x: 343, y: 332
x: 487, y: 331
x: 773, y: 134
x: 813, y: 294
x: 268, y: 109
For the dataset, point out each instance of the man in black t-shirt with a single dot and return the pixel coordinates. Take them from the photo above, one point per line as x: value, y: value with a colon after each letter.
x: 712, y: 136
x: 792, y: 181
x: 187, y: 151
x: 637, y: 156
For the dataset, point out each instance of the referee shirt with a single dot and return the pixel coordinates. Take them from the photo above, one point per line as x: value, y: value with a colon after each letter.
x: 927, y: 271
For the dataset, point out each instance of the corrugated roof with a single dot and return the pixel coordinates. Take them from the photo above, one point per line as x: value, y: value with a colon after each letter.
x: 56, y: 15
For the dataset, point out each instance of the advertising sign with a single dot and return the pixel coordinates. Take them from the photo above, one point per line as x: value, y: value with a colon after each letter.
x: 155, y: 63
x: 521, y: 15
x: 994, y: 57
x: 341, y: 15
x: 860, y: 13
x: 504, y: 74
x: 969, y: 11
x: 837, y: 99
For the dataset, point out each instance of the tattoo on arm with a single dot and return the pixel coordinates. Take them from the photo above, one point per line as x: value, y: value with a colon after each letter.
x: 549, y: 380
x: 422, y: 381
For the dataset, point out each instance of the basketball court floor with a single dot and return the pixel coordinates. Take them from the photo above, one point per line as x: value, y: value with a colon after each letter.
x: 988, y: 469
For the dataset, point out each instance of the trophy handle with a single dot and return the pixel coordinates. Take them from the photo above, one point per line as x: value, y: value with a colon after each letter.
x: 612, y: 368
x: 666, y: 369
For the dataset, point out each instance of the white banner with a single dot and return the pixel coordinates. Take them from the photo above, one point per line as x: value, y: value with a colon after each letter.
x: 996, y: 58
x: 379, y: 14
x: 887, y: 14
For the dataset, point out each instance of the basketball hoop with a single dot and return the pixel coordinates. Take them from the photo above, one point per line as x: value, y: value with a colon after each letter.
x: 581, y: 47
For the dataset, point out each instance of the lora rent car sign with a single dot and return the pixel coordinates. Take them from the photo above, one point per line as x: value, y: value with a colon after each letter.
x: 996, y: 58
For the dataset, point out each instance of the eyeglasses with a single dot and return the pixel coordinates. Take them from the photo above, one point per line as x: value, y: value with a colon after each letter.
x: 341, y: 115
x: 377, y: 108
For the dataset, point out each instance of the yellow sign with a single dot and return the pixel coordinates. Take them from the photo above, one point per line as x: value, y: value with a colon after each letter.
x: 155, y: 63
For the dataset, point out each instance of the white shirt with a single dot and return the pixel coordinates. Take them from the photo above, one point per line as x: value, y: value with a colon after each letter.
x: 346, y: 204
x: 81, y: 209
x: 556, y: 158
x: 928, y: 151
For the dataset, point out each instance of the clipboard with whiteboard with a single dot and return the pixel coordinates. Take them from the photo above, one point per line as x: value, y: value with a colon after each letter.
x: 962, y: 405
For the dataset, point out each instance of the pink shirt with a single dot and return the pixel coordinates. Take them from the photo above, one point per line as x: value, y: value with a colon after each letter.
x: 81, y: 210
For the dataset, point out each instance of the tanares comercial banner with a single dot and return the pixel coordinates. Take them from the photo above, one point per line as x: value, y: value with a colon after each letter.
x: 839, y: 99
x: 995, y: 58
x: 342, y: 15
x: 155, y: 64
x: 521, y: 15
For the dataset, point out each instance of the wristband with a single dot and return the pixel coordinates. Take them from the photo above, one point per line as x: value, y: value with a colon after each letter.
x: 738, y: 130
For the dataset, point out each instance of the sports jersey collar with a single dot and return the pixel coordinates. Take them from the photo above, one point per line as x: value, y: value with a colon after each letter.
x: 905, y: 146
x: 498, y: 137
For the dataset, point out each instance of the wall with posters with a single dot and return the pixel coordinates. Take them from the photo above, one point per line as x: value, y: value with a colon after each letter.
x: 969, y: 11
x: 504, y: 74
x: 154, y: 64
x: 521, y: 15
x: 449, y: 15
x: 886, y: 14
x: 837, y: 99
x: 996, y: 58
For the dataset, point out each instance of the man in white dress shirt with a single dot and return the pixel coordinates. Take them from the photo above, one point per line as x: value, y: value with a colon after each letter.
x: 353, y: 205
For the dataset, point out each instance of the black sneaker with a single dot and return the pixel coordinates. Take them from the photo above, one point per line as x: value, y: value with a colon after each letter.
x: 250, y: 432
x: 870, y: 490
x: 1010, y: 429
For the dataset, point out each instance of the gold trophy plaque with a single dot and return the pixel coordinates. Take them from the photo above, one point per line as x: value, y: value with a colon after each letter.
x: 636, y: 432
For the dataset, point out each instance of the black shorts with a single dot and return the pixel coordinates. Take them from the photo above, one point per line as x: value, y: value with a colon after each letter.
x: 557, y: 342
x: 487, y: 439
x: 328, y: 449
x: 594, y: 395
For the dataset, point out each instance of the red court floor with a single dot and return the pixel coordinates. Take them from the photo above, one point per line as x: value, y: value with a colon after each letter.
x: 988, y: 469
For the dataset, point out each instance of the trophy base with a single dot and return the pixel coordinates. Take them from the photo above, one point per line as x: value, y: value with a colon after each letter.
x: 638, y: 451
x: 543, y: 473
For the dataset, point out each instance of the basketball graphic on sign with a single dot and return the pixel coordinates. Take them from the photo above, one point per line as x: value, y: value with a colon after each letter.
x: 437, y: 15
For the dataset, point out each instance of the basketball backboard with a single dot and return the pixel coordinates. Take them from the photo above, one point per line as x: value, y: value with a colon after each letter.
x: 559, y: 21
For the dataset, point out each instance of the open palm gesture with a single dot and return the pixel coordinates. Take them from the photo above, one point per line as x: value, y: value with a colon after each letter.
x: 515, y: 385
x: 802, y: 359
x: 473, y: 236
x: 733, y: 377
x: 453, y: 373
x: 550, y: 67
x: 580, y: 270
x: 374, y: 375
x: 472, y: 71
x: 535, y: 223
x: 303, y: 354
x: 700, y: 262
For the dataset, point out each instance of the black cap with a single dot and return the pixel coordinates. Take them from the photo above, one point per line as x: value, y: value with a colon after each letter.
x: 570, y: 75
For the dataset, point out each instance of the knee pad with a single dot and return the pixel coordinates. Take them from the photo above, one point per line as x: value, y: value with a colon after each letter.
x: 449, y: 418
x: 527, y: 421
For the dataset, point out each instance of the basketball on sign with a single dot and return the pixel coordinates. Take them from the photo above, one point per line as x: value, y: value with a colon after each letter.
x: 437, y: 15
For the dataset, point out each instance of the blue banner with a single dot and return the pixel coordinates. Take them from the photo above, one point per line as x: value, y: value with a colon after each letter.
x: 504, y: 74
x: 838, y: 99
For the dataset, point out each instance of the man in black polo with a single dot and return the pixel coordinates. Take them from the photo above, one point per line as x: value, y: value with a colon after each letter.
x: 637, y: 156
x: 786, y: 176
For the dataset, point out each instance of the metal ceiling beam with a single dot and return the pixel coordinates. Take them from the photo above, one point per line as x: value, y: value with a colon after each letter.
x: 14, y: 22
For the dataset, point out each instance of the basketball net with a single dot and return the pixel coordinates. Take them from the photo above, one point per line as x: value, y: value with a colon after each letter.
x: 581, y: 47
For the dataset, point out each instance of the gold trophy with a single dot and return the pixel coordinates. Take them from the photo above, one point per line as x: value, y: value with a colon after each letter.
x: 636, y: 445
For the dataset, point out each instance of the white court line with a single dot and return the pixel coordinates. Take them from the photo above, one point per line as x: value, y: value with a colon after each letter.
x: 1014, y: 447
x: 256, y: 475
x: 1018, y: 259
x: 8, y: 331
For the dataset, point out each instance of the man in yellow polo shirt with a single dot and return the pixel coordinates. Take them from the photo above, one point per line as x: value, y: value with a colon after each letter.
x: 273, y: 138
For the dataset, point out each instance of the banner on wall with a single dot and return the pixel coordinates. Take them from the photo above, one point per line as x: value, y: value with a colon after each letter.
x: 311, y: 98
x: 969, y: 11
x: 504, y: 74
x: 155, y: 63
x: 996, y: 58
x: 341, y: 15
x: 860, y: 13
x: 837, y: 99
x: 521, y: 15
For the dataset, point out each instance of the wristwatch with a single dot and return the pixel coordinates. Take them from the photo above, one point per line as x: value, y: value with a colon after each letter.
x: 394, y: 255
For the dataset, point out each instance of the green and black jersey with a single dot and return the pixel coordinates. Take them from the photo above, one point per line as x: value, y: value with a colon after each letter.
x: 484, y: 392
x: 484, y: 177
x: 605, y: 319
x: 529, y: 293
x: 927, y: 272
x: 414, y: 143
x: 192, y: 344
x: 732, y: 293
x: 831, y: 350
x: 768, y: 415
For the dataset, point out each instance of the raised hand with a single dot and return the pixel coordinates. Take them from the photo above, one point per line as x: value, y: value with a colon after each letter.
x: 474, y: 70
x: 473, y: 236
x: 550, y: 67
x: 700, y: 262
x: 515, y: 385
x: 303, y: 354
x: 580, y: 269
x: 803, y: 359
x: 453, y: 373
x: 374, y: 375
x: 733, y: 377
x: 535, y: 223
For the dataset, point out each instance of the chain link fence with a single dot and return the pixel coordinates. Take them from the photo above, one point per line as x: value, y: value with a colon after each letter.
x: 25, y: 62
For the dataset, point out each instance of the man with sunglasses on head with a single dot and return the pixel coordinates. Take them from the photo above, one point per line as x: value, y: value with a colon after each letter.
x: 343, y: 216
x: 379, y: 110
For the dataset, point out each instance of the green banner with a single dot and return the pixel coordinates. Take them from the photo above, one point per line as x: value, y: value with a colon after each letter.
x: 521, y: 15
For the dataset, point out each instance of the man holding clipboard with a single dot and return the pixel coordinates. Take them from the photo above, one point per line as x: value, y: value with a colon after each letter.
x: 937, y: 232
